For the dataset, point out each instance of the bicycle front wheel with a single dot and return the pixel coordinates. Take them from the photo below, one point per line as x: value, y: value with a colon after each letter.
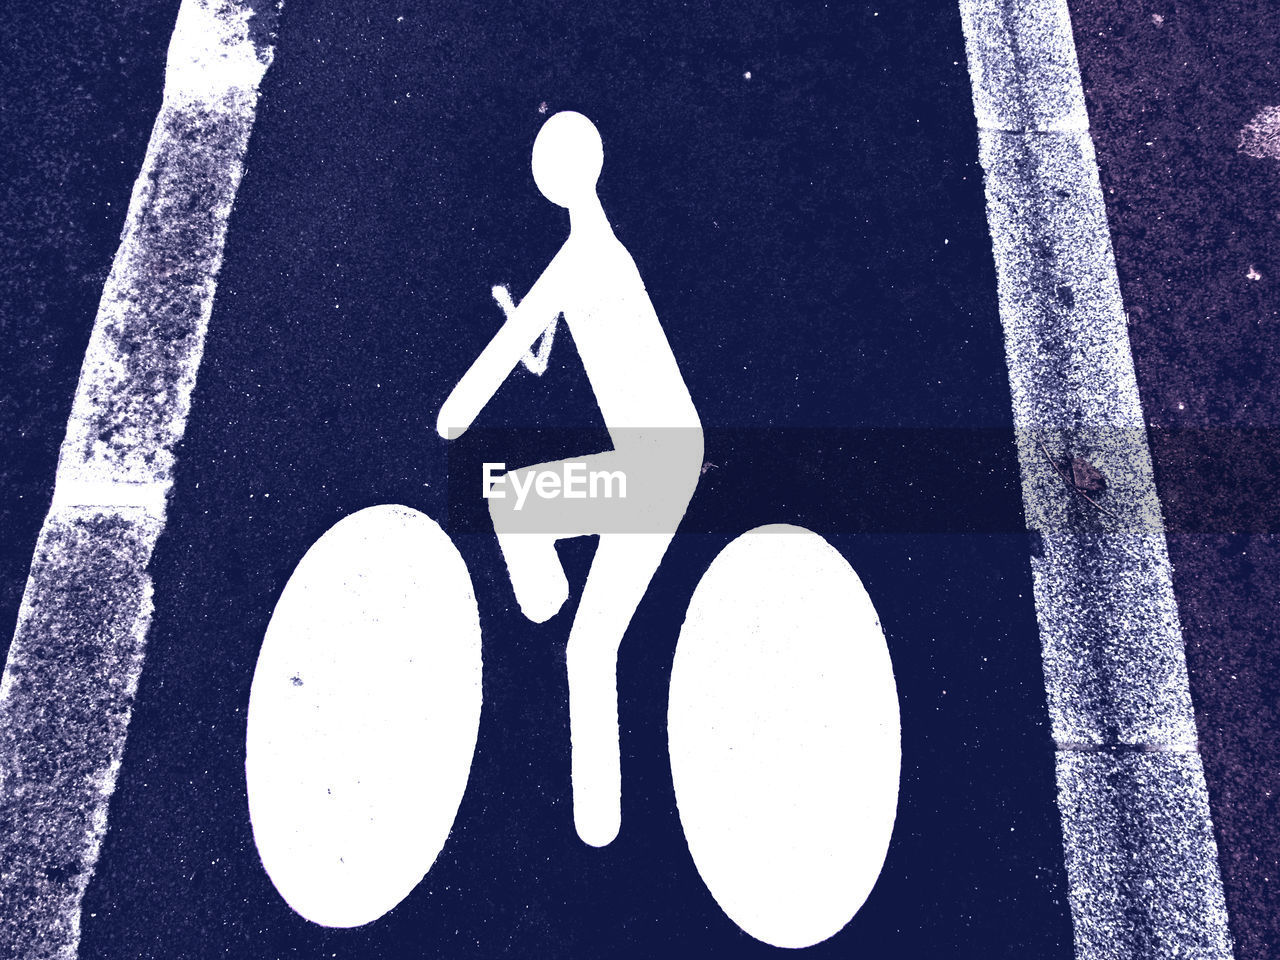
x: 363, y: 716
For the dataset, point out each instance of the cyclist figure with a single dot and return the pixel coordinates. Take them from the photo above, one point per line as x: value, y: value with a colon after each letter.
x: 658, y: 448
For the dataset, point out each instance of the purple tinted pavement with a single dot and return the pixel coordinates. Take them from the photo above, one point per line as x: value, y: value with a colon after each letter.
x: 1196, y: 226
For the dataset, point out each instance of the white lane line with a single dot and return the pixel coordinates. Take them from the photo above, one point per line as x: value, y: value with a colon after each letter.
x: 77, y: 653
x: 1140, y: 853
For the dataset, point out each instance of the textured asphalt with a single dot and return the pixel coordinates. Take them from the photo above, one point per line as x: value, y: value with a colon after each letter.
x: 1195, y: 223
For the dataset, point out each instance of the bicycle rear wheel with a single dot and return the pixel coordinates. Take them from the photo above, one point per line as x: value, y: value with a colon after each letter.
x: 363, y: 716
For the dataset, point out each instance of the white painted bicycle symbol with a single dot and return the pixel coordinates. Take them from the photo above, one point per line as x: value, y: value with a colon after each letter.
x: 783, y: 727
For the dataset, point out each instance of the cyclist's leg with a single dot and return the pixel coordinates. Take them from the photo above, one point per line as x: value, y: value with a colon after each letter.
x: 620, y: 573
x: 662, y: 467
x: 527, y: 535
x: 635, y: 530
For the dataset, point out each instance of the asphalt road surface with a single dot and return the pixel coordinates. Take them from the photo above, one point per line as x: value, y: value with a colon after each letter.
x: 1171, y: 90
x: 819, y: 282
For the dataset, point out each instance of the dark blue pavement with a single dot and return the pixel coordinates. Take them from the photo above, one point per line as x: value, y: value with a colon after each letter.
x: 1194, y: 221
x: 814, y: 240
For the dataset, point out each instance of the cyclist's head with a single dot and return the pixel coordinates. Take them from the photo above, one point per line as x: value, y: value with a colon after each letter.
x: 567, y: 157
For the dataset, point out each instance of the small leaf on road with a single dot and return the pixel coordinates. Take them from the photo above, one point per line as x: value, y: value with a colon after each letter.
x: 1085, y: 477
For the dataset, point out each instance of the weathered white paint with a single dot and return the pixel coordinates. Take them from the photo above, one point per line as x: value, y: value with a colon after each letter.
x: 1138, y: 840
x: 73, y: 667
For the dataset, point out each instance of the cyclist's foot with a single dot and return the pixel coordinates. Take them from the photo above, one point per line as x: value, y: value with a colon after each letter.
x: 537, y: 577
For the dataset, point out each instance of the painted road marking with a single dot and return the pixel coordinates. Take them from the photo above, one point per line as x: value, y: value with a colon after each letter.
x: 1140, y: 852
x: 73, y: 668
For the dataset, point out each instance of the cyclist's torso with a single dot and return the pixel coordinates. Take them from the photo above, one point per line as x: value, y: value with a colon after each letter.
x: 627, y: 357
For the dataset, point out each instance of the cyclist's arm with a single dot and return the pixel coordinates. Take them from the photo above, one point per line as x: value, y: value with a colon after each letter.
x: 478, y: 385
